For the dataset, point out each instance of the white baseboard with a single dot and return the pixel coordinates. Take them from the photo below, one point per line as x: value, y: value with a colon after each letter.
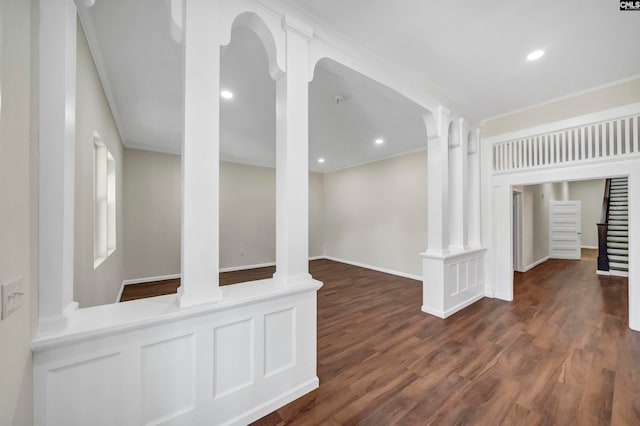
x: 590, y: 247
x: 613, y: 273
x: 460, y: 306
x: 375, y: 268
x: 245, y: 267
x: 534, y: 264
x: 176, y: 276
x: 145, y: 280
x: 277, y: 402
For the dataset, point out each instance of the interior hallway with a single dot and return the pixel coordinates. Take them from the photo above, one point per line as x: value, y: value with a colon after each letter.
x: 561, y: 353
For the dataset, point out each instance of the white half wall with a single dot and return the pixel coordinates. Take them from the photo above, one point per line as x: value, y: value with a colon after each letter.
x: 100, y: 285
x: 376, y: 214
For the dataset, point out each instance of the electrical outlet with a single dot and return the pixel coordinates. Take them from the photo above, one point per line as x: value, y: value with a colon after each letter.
x: 12, y: 296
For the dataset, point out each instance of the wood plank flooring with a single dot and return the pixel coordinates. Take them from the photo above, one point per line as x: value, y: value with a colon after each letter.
x: 560, y: 354
x: 159, y: 288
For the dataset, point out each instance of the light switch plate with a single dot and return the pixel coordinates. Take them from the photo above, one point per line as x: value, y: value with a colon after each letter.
x: 12, y: 296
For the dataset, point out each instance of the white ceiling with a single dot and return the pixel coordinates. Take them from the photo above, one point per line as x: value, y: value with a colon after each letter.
x: 471, y: 53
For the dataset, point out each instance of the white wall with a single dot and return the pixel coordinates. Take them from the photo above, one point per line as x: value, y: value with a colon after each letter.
x: 100, y: 285
x: 247, y: 215
x: 590, y: 194
x: 316, y: 214
x: 18, y: 205
x: 376, y: 214
x: 152, y: 197
x: 152, y: 214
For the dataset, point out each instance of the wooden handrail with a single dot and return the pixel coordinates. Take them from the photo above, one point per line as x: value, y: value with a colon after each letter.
x: 604, y: 215
x: 603, y: 227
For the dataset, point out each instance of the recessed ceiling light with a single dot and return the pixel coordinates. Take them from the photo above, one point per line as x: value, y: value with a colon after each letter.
x: 536, y: 54
x: 320, y: 160
x: 379, y: 141
x: 226, y: 94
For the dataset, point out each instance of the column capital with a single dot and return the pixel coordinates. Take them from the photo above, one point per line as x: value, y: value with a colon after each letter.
x: 291, y: 24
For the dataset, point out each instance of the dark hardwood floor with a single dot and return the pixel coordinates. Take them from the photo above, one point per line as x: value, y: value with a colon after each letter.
x: 159, y: 288
x: 560, y: 354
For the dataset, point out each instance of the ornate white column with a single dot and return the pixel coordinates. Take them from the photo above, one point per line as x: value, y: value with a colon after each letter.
x: 200, y: 153
x: 473, y: 179
x: 458, y: 228
x: 56, y: 161
x: 292, y: 158
x: 437, y: 213
x: 438, y: 183
x: 452, y: 275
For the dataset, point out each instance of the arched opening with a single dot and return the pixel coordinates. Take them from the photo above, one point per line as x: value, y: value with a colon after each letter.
x: 247, y: 150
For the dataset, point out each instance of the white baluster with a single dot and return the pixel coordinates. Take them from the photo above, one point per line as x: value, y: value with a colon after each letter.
x: 612, y: 140
x: 596, y: 142
x: 634, y: 130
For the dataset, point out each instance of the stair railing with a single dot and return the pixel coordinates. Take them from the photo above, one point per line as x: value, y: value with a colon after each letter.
x: 603, y: 227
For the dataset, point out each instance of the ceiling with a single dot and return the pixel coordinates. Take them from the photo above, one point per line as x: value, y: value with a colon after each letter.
x: 470, y: 53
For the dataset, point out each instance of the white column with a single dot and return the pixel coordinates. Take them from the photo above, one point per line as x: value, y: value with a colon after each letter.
x: 56, y: 161
x: 474, y: 213
x: 438, y: 184
x: 458, y: 235
x: 292, y: 158
x: 200, y: 153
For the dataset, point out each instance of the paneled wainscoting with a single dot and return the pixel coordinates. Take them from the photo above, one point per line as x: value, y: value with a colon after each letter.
x: 147, y: 362
x: 462, y: 278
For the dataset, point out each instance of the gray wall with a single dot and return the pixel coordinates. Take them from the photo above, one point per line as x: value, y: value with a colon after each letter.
x: 18, y: 205
x: 100, y: 285
x: 590, y: 193
x: 376, y: 214
x: 152, y: 214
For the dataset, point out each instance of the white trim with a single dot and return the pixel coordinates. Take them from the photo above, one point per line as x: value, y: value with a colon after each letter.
x: 96, y: 55
x: 173, y: 150
x: 590, y: 247
x: 151, y: 279
x: 613, y: 273
x: 245, y: 267
x: 177, y: 276
x: 460, y: 306
x: 565, y: 97
x: 143, y: 281
x: 375, y: 268
x: 534, y: 264
x: 364, y: 163
x: 277, y: 402
x: 569, y: 123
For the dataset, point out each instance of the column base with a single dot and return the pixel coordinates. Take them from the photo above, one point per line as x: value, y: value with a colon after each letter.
x: 451, y: 281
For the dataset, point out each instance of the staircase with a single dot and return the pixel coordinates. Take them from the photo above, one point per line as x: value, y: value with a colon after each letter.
x: 615, y: 228
x: 618, y: 230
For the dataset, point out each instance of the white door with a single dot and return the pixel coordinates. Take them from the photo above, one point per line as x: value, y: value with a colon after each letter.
x: 564, y: 230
